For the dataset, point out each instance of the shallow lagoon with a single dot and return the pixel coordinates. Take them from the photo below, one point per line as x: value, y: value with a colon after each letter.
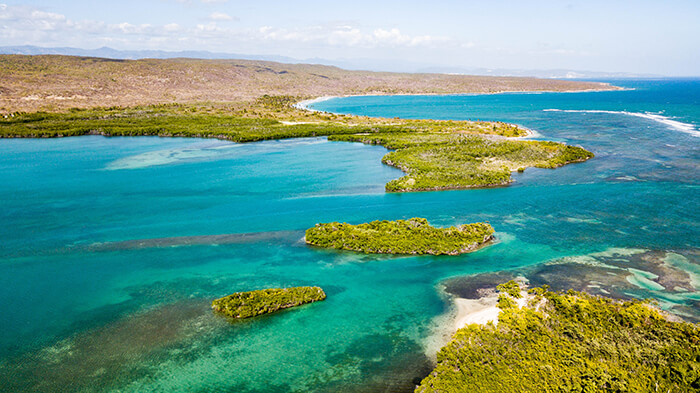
x: 113, y: 247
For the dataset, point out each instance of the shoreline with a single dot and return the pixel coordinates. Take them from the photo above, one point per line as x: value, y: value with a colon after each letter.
x: 303, y: 105
x: 481, y: 311
x: 462, y: 312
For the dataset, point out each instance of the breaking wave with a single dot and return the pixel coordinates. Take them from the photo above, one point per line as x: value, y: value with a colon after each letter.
x: 675, y: 124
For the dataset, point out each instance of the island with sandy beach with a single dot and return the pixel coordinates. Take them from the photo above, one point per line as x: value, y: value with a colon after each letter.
x: 542, y: 340
x: 412, y: 236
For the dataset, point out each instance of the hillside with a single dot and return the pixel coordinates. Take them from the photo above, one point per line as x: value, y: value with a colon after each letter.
x: 53, y: 82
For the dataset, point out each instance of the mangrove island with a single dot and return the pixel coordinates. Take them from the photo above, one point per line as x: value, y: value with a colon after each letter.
x: 569, y: 342
x: 412, y: 236
x: 265, y: 301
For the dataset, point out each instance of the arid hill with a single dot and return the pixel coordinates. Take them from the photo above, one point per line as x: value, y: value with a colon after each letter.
x: 51, y: 82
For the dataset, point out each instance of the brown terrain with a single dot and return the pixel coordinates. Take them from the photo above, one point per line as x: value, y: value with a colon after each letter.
x: 54, y: 83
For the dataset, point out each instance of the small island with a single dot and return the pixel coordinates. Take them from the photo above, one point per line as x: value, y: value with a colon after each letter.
x: 265, y: 301
x: 545, y: 341
x: 413, y: 236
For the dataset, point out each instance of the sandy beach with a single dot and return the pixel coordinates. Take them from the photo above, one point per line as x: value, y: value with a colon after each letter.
x: 304, y: 105
x: 481, y: 311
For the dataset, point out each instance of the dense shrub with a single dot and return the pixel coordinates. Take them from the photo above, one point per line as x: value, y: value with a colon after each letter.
x: 265, y: 301
x: 436, y: 161
x: 413, y: 236
x: 570, y: 342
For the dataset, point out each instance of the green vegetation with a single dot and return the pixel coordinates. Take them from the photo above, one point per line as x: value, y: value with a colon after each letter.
x: 267, y: 118
x: 570, y: 342
x: 413, y: 236
x: 435, y: 154
x: 511, y: 288
x: 265, y: 301
x: 438, y: 161
x: 168, y: 121
x: 246, y: 101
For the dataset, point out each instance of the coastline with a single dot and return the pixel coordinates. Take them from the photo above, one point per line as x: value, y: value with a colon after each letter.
x: 461, y: 312
x: 481, y: 311
x: 303, y: 105
x: 529, y: 133
x: 536, y: 334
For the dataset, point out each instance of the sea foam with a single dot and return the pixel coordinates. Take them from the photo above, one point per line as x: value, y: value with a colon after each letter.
x: 675, y: 124
x: 304, y: 105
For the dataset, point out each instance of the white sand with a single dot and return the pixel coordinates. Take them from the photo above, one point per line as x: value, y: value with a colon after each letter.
x: 304, y: 105
x: 481, y: 311
x: 293, y: 123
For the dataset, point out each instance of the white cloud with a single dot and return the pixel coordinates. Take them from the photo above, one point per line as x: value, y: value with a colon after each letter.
x: 28, y: 25
x: 219, y: 16
x: 349, y: 36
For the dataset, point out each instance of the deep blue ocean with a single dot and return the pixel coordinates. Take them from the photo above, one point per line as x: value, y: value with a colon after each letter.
x: 113, y: 248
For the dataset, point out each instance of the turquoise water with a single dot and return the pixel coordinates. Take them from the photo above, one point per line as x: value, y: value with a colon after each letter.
x: 114, y: 247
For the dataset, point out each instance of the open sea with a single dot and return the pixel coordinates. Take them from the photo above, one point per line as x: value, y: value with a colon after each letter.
x: 111, y: 249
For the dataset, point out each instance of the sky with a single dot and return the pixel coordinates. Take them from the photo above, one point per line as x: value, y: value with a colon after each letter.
x: 643, y: 37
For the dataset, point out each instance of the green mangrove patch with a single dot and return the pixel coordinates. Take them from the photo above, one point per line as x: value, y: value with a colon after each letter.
x: 413, y: 236
x: 441, y: 161
x: 269, y: 117
x: 435, y: 154
x: 570, y: 342
x: 265, y: 301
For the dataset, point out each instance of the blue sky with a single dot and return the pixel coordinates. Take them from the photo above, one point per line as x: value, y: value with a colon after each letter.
x: 624, y: 36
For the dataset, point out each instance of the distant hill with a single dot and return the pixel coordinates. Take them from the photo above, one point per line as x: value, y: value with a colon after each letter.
x: 51, y: 82
x: 555, y: 73
x: 350, y: 64
x: 111, y: 53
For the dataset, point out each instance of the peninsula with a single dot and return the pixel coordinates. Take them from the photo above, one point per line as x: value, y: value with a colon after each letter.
x: 440, y: 160
x: 569, y: 342
x: 413, y: 236
x: 55, y: 83
x: 247, y: 101
x: 265, y: 301
x: 436, y: 155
